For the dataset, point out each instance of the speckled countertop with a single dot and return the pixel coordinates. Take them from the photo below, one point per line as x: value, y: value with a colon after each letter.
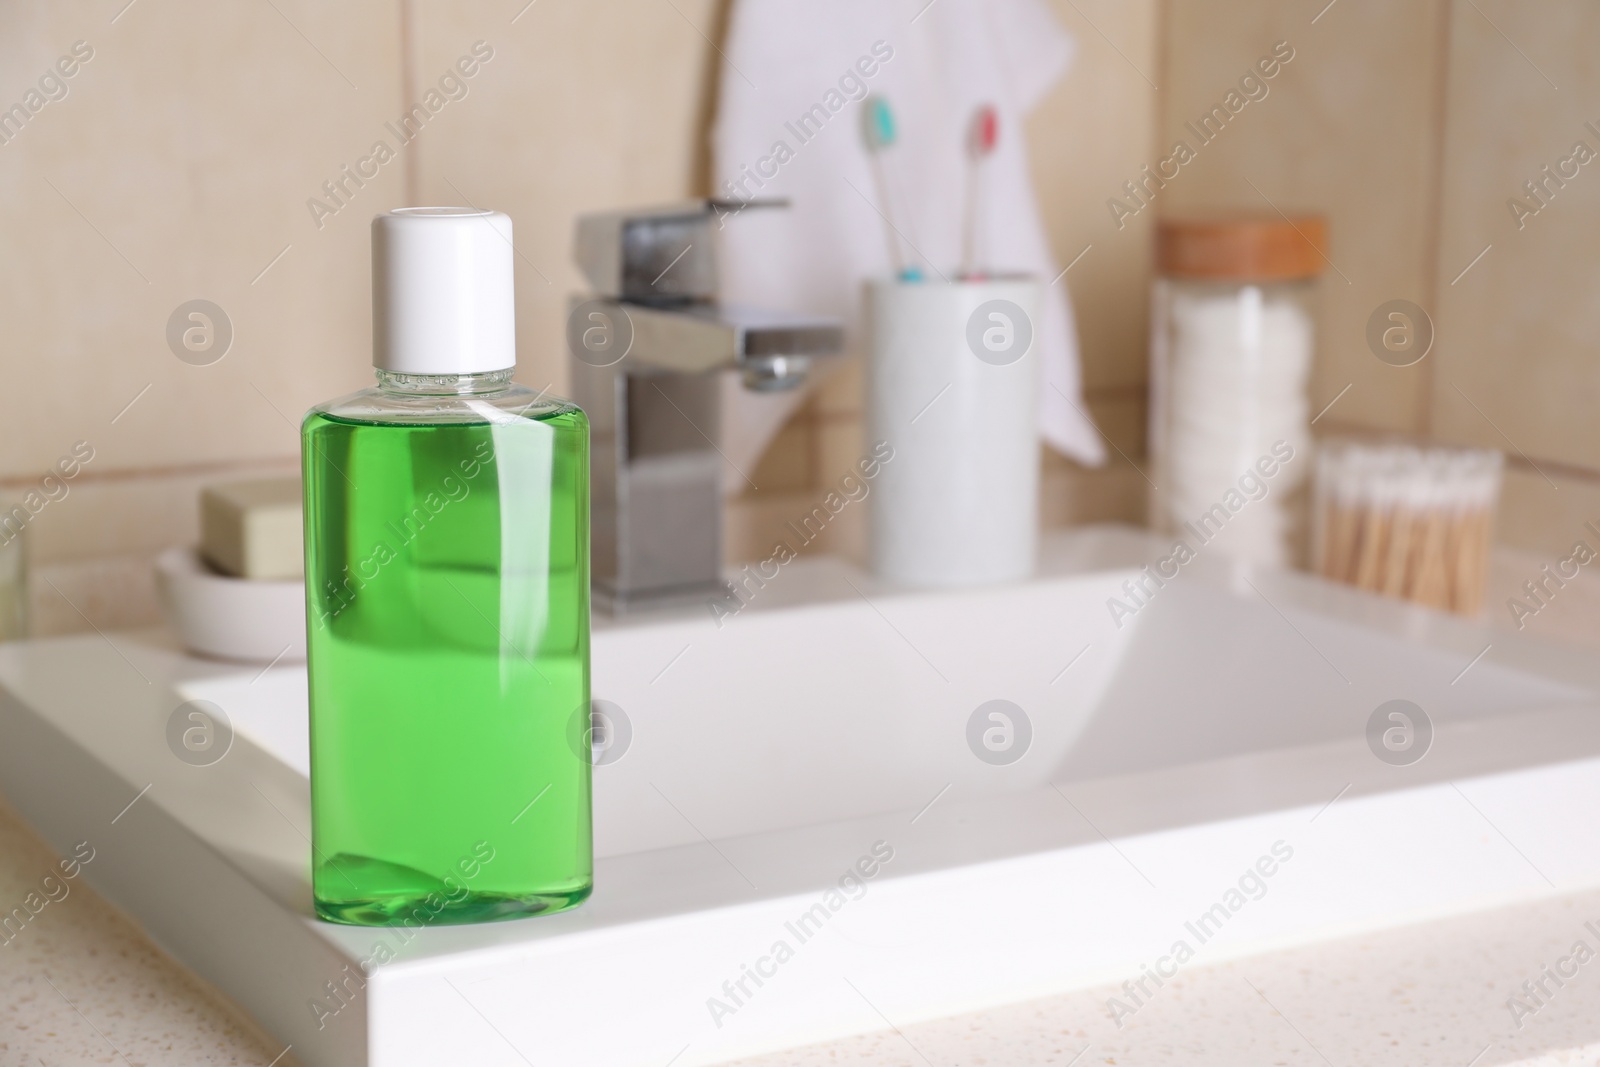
x: 81, y: 985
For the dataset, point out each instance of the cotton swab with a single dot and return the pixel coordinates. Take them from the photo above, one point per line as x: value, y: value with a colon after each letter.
x: 1407, y: 522
x: 878, y: 134
x: 982, y: 135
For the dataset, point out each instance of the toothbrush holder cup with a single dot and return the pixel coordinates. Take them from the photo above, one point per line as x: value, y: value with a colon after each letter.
x: 953, y: 387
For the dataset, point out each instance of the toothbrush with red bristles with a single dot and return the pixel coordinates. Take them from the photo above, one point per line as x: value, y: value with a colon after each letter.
x: 983, y: 133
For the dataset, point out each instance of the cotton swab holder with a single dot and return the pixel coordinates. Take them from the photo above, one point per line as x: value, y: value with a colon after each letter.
x: 953, y: 385
x: 1406, y: 522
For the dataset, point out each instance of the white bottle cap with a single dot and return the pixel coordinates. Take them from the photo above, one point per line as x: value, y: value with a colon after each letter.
x: 443, y: 301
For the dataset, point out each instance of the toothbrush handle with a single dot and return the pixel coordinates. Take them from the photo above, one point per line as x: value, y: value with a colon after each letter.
x: 969, y: 222
x: 896, y: 260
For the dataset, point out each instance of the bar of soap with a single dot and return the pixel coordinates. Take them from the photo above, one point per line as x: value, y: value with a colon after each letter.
x: 253, y: 529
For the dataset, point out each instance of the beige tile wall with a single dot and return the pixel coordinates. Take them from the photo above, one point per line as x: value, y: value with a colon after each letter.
x: 1345, y: 129
x: 177, y: 166
x: 181, y: 161
x: 1518, y: 366
x: 1411, y: 125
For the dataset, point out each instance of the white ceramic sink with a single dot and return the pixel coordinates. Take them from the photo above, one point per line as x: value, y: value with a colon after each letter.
x: 826, y: 726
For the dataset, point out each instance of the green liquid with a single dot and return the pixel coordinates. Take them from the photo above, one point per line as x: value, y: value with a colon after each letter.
x: 447, y: 578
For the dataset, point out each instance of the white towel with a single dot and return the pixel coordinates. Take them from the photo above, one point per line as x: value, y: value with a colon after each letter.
x: 935, y: 63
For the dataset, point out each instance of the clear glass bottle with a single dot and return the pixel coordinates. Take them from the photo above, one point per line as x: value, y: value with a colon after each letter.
x: 1233, y: 333
x: 447, y: 584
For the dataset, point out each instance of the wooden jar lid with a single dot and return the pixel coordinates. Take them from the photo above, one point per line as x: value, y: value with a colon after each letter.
x: 1242, y: 248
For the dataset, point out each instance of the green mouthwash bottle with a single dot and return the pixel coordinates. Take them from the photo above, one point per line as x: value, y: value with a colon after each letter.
x: 447, y: 603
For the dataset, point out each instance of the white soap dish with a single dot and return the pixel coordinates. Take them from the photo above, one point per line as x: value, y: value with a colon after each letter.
x: 231, y: 618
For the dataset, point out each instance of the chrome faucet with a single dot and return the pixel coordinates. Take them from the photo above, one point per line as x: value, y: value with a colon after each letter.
x: 648, y: 347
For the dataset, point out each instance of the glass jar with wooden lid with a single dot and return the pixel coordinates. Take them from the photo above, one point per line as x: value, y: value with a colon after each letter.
x: 1232, y: 338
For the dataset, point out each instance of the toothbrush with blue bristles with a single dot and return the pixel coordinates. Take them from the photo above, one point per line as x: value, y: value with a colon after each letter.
x: 879, y: 133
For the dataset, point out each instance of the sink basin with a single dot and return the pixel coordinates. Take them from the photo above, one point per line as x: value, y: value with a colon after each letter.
x: 848, y: 806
